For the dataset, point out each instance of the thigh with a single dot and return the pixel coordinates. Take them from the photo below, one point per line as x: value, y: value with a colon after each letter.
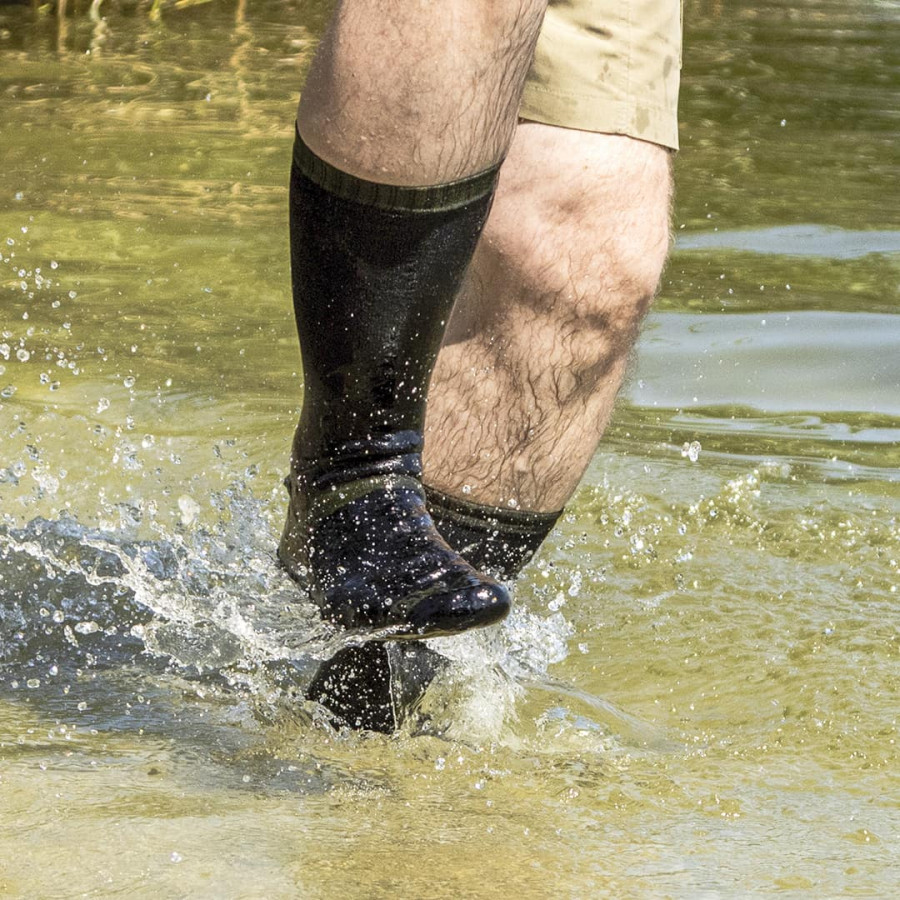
x: 609, y: 66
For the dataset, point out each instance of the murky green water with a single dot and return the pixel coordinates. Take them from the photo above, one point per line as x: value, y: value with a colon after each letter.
x: 698, y: 694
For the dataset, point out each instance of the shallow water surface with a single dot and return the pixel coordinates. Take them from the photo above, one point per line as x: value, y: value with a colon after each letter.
x: 698, y: 692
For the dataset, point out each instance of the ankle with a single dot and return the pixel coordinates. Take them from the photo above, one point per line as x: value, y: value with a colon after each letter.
x: 317, y: 465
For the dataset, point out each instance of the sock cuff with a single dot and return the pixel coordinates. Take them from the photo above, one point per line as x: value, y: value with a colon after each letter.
x: 496, y: 540
x: 427, y: 198
x: 479, y: 517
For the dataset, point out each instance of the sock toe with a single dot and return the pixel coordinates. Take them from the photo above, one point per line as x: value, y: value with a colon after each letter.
x: 377, y: 562
x: 451, y: 612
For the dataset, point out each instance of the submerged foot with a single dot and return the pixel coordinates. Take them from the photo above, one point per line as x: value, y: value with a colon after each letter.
x: 374, y: 562
x: 377, y: 685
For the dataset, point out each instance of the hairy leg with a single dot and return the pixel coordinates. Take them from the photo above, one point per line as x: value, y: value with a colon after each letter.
x: 414, y: 92
x: 539, y: 339
x: 406, y: 114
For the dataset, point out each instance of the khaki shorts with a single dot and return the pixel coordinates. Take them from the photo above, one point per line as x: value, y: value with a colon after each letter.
x: 608, y: 65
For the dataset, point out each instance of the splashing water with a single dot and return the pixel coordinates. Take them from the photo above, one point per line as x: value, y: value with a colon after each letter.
x: 211, y: 606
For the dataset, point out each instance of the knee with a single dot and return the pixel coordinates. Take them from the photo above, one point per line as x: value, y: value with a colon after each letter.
x: 586, y: 240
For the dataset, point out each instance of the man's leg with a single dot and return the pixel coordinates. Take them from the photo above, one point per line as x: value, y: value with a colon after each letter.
x: 407, y: 111
x: 538, y: 343
x: 579, y: 82
x: 539, y: 340
x: 416, y: 93
x: 525, y: 382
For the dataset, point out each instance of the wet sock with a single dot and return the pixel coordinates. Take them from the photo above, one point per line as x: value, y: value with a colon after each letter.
x: 375, y: 686
x: 493, y: 539
x: 375, y: 271
x: 379, y: 685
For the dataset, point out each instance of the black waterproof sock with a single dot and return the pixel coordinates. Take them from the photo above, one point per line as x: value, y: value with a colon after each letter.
x: 375, y: 271
x: 377, y: 686
x: 493, y: 539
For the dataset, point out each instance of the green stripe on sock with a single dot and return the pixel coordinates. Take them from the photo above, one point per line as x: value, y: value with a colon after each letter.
x: 479, y: 517
x: 326, y: 502
x: 429, y: 198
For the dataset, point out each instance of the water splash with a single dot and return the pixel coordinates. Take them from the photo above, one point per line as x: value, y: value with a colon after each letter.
x: 209, y: 606
x: 205, y: 600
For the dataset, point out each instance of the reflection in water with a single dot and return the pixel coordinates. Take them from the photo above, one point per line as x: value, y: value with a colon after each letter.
x: 697, y: 694
x: 798, y: 240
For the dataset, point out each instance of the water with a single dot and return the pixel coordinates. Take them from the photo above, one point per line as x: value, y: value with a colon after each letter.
x: 698, y: 693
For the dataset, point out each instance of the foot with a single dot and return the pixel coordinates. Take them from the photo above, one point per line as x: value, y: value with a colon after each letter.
x: 372, y: 559
x: 375, y: 686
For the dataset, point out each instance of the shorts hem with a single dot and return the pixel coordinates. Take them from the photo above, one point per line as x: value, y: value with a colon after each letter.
x: 603, y: 115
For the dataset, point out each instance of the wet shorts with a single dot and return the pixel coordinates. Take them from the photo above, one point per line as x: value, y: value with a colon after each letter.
x: 608, y: 65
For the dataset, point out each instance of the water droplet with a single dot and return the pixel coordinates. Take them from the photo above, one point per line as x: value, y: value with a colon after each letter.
x: 575, y: 586
x: 189, y: 509
x: 691, y: 450
x: 557, y: 603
